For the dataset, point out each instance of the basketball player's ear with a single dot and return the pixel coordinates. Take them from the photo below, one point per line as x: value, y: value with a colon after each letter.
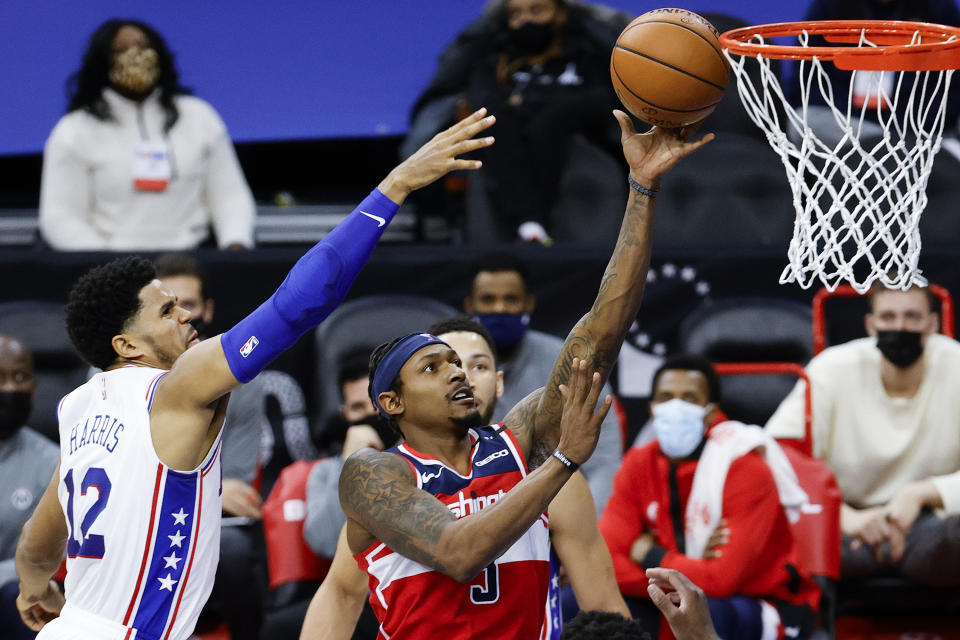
x: 711, y: 415
x: 207, y: 313
x: 126, y: 347
x: 530, y: 304
x: 468, y: 305
x: 391, y: 403
x: 499, y: 383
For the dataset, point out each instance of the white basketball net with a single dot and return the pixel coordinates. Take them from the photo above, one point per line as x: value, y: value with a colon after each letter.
x: 858, y: 197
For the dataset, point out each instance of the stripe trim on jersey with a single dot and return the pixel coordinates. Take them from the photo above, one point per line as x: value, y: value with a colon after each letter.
x: 151, y: 389
x: 216, y: 450
x: 147, y: 547
x: 425, y: 458
x: 514, y: 447
x: 193, y: 553
x: 175, y: 540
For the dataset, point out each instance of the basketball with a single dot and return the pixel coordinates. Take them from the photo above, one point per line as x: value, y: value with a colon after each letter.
x: 668, y: 68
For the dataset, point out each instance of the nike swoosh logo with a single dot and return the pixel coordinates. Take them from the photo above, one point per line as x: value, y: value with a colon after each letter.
x: 380, y: 221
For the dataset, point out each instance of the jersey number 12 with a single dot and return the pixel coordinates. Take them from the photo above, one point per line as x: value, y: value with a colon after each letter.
x: 86, y: 545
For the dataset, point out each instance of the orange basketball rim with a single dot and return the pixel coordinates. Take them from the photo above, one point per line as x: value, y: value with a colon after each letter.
x: 900, y: 46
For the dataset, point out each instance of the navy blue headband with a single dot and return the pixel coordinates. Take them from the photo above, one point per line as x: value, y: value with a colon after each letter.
x: 390, y: 365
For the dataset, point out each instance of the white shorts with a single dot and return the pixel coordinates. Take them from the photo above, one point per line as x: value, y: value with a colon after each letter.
x: 76, y: 624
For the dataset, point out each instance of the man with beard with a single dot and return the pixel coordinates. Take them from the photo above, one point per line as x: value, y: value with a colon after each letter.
x: 885, y: 420
x: 26, y: 461
x: 434, y: 550
x: 573, y: 531
x: 135, y: 502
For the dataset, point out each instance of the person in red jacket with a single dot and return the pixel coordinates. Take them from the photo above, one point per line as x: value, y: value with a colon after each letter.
x: 748, y: 568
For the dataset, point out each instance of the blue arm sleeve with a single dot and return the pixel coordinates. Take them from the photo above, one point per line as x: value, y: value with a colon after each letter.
x: 316, y: 284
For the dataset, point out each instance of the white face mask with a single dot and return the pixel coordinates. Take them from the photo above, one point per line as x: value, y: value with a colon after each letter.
x: 679, y: 426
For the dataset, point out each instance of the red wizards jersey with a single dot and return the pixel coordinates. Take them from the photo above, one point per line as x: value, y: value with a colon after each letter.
x: 505, y: 600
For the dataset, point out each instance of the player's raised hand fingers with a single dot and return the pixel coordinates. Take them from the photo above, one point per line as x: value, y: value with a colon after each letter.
x: 626, y: 124
x: 604, y: 409
x: 464, y: 165
x: 690, y: 147
x: 596, y: 385
x: 473, y: 118
x: 687, y: 131
x: 469, y: 127
x: 580, y: 384
x: 472, y: 144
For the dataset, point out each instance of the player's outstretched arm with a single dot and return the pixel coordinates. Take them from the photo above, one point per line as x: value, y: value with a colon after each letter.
x: 318, y: 282
x: 598, y: 335
x: 582, y: 550
x: 379, y: 494
x: 40, y: 550
x: 338, y: 603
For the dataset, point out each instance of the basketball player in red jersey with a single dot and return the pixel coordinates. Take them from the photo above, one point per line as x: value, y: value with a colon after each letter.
x: 449, y: 524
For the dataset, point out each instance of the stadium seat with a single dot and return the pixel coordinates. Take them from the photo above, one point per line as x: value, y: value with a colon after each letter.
x: 361, y: 323
x: 750, y: 330
x: 731, y: 193
x: 289, y: 558
x: 58, y: 369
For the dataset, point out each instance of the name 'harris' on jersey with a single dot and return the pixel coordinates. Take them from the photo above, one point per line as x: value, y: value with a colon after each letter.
x: 143, y: 538
x: 506, y: 600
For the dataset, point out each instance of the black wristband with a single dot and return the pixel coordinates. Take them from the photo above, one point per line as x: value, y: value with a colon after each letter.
x: 567, y: 462
x: 639, y: 188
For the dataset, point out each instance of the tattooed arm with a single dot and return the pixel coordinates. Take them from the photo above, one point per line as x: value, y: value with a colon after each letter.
x: 597, y: 337
x: 379, y: 494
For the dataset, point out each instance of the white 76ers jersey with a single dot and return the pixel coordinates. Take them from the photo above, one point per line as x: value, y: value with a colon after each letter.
x: 144, y: 539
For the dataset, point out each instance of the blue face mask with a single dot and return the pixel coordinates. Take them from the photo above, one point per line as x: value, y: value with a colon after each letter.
x: 679, y: 426
x: 507, y: 329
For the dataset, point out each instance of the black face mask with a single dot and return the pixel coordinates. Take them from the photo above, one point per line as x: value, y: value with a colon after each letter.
x: 532, y: 37
x: 14, y: 409
x: 901, y: 348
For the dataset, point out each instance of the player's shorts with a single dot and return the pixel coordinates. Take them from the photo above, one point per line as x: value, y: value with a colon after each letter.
x: 76, y: 624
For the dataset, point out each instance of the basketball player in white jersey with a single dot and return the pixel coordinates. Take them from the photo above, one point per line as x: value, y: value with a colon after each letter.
x: 135, y: 502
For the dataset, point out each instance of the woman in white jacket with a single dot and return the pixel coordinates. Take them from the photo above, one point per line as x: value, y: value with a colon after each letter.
x: 137, y: 163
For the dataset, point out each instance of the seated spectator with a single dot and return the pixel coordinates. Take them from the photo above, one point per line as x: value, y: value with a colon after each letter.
x: 27, y: 462
x: 137, y: 163
x: 500, y: 300
x: 885, y: 420
x: 543, y: 68
x: 710, y: 502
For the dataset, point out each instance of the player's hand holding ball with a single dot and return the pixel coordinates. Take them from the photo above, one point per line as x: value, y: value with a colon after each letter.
x: 652, y: 154
x: 579, y: 423
x: 438, y: 156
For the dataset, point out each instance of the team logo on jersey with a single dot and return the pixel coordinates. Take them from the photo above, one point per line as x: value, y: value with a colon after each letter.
x: 22, y: 498
x: 464, y: 506
x: 249, y: 346
x: 493, y: 456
